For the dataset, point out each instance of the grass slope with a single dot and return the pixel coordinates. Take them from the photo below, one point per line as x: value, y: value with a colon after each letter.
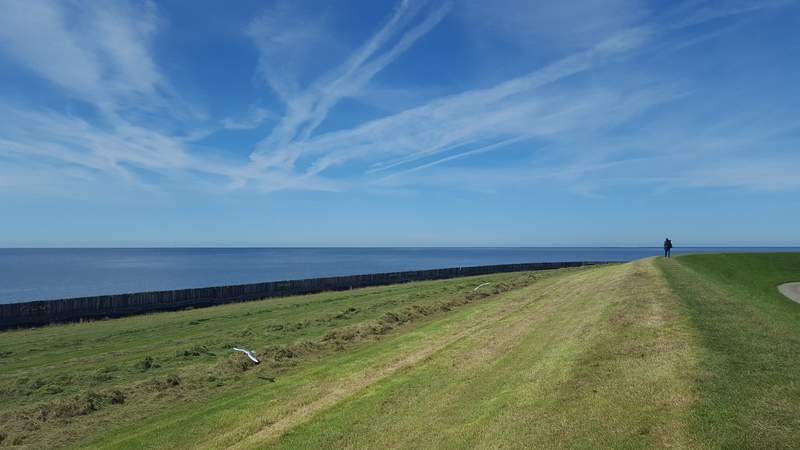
x: 695, y: 352
x: 748, y: 381
x: 64, y: 384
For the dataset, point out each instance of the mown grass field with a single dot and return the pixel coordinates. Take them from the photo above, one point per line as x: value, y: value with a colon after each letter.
x: 699, y: 351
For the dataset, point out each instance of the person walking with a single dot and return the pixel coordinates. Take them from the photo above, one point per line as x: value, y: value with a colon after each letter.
x: 667, y: 248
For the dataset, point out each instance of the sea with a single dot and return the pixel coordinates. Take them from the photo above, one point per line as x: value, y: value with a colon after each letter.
x: 50, y: 273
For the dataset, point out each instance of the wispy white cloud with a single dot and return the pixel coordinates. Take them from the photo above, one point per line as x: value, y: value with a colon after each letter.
x: 565, y: 112
x: 31, y: 135
x: 255, y: 117
x: 757, y: 173
x: 288, y: 40
x: 100, y: 54
x: 508, y: 109
x: 307, y: 108
x: 482, y: 120
x: 549, y: 26
x: 97, y: 52
x: 468, y: 153
x: 698, y: 12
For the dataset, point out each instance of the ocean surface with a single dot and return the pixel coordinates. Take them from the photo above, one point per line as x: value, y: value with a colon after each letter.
x: 42, y: 274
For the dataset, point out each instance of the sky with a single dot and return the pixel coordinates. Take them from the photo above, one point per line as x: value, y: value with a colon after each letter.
x: 399, y: 123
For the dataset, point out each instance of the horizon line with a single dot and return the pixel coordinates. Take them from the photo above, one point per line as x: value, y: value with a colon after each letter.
x: 311, y: 247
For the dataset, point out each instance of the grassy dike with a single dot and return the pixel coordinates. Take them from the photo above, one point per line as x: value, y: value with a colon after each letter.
x: 695, y: 352
x: 747, y: 384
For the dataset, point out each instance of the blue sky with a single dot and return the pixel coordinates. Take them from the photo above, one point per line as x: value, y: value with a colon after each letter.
x: 409, y: 123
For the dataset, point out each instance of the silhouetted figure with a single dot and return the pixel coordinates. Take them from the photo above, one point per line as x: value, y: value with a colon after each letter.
x: 667, y: 248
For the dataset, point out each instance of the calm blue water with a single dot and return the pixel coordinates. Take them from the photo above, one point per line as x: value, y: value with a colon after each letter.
x: 40, y: 274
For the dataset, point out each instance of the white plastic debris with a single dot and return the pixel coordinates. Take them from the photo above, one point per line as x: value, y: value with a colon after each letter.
x: 249, y: 354
x: 480, y: 286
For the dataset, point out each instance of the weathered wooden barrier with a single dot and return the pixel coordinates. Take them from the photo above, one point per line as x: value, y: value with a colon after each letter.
x: 27, y: 314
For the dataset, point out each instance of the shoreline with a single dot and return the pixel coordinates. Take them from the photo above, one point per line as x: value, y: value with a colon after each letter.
x: 45, y: 312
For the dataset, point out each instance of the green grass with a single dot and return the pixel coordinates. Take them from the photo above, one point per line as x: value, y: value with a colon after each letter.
x: 698, y: 351
x: 748, y: 380
x: 62, y: 384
